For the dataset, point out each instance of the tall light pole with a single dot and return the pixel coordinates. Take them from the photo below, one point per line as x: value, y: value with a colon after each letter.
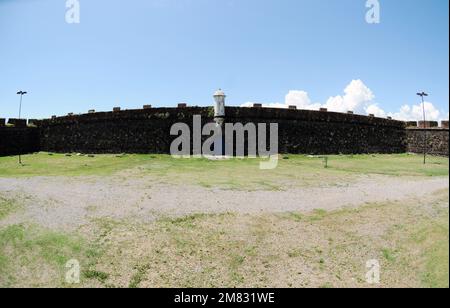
x: 21, y: 93
x: 425, y: 141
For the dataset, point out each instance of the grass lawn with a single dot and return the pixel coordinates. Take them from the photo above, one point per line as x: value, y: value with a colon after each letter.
x: 319, y: 249
x: 410, y: 237
x: 292, y: 170
x: 7, y: 206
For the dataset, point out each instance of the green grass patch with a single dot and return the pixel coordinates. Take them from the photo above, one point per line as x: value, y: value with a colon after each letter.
x: 316, y: 249
x: 35, y: 257
x: 233, y: 174
x: 396, y: 165
x: 98, y: 275
x: 388, y: 255
x: 7, y: 206
x: 295, y: 216
x: 185, y: 221
x: 294, y: 253
x: 44, y: 164
x: 136, y: 279
x: 434, y: 238
x: 317, y: 214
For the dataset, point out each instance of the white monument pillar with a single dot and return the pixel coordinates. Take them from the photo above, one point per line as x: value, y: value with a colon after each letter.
x: 219, y: 118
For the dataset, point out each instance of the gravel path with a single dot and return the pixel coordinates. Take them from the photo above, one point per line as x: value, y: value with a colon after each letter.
x: 69, y: 202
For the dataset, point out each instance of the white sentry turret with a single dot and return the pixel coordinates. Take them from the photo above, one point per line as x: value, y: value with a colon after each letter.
x: 219, y: 108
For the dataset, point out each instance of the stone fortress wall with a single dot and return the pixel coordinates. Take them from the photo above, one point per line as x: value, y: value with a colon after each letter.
x: 147, y: 130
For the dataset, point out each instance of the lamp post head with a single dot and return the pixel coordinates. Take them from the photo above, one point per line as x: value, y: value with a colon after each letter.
x: 422, y: 94
x: 21, y: 93
x: 219, y: 108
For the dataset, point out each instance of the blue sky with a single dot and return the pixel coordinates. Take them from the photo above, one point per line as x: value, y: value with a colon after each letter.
x: 162, y: 52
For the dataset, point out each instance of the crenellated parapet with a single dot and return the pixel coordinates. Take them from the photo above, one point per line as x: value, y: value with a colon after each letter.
x: 147, y: 130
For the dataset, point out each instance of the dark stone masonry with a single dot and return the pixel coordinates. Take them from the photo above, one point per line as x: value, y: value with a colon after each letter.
x: 316, y: 132
x: 434, y: 139
x: 18, y: 140
x: 128, y: 131
x: 147, y: 130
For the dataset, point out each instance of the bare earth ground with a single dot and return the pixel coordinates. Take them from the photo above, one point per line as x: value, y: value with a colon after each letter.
x: 158, y: 222
x: 70, y: 202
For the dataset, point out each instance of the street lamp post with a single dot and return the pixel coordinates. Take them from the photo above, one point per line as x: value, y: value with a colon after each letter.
x: 425, y: 141
x: 21, y: 93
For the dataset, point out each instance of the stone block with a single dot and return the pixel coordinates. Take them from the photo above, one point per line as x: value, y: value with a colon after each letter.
x: 18, y: 122
x: 428, y: 124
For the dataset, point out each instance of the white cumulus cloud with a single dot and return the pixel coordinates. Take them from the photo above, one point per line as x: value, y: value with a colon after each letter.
x: 360, y: 99
x: 301, y: 100
x: 357, y: 98
x: 376, y: 110
x: 415, y: 112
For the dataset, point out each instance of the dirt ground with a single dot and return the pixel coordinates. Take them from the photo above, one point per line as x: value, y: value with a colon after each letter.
x: 158, y: 222
x: 66, y: 203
